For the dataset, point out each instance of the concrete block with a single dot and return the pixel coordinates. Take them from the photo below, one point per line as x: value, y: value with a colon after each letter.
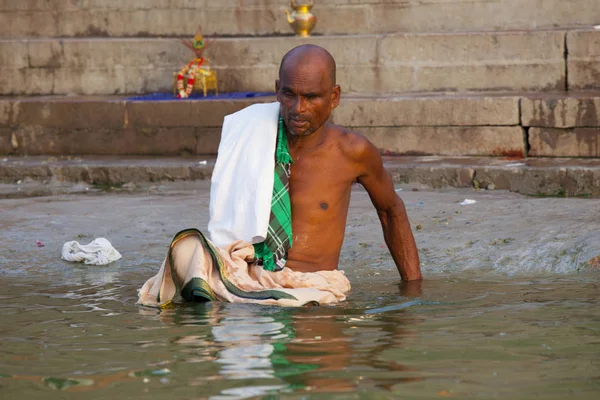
x: 246, y: 21
x: 148, y: 80
x: 207, y: 141
x: 265, y: 17
x: 177, y: 113
x: 30, y: 23
x: 476, y: 77
x: 86, y: 23
x: 584, y: 59
x: 435, y: 176
x: 161, y: 141
x: 5, y: 141
x: 573, y: 142
x: 427, y: 111
x: 258, y: 79
x: 98, y: 174
x: 477, y: 15
x: 13, y: 54
x: 155, y: 114
x: 211, y: 113
x: 6, y: 113
x: 45, y: 53
x: 110, y: 53
x: 561, y: 111
x: 347, y: 50
x: 27, y: 81
x: 32, y: 5
x: 448, y: 141
x: 78, y: 81
x: 34, y: 139
x: 547, y: 181
x: 84, y: 113
x: 39, y: 140
x: 473, y: 61
x: 366, y: 64
x: 343, y: 19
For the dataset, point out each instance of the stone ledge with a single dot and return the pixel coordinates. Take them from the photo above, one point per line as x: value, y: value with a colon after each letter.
x: 266, y: 17
x: 447, y: 140
x: 572, y: 142
x: 482, y: 61
x: 433, y: 124
x: 584, y: 59
x: 551, y: 177
x: 564, y: 110
x: 426, y: 109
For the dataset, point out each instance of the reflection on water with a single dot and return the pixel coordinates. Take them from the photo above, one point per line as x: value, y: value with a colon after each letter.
x: 301, y: 349
x: 449, y: 337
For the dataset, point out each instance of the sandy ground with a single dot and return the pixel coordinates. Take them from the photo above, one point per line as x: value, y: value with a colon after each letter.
x: 501, y: 233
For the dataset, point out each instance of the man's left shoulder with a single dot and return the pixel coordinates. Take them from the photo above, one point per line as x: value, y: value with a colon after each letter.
x: 352, y: 144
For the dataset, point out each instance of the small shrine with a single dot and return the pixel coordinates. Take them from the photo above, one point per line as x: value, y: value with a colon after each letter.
x: 197, y: 74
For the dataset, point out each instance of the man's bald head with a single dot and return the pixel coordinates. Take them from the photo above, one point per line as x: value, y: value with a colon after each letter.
x: 309, y: 54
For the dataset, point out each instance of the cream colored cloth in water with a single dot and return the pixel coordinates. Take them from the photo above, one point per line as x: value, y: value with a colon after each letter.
x: 194, y: 266
x: 98, y: 252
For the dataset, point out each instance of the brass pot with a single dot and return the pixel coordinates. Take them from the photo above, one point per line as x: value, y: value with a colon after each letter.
x: 301, y: 19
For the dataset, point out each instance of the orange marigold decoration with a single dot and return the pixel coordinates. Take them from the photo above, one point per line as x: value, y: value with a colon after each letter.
x: 181, y: 93
x: 197, y: 46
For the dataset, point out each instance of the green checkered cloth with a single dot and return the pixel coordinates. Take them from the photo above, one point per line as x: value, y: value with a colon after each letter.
x: 272, y: 253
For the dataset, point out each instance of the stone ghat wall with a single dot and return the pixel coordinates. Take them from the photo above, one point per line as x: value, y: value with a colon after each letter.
x: 145, y: 18
x: 551, y: 125
x: 485, y: 61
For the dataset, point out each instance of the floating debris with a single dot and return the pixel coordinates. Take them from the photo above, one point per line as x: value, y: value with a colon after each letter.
x: 594, y: 262
x: 66, y: 383
x: 150, y: 372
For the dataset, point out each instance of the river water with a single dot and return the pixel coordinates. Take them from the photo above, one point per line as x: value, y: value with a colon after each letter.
x: 508, y: 307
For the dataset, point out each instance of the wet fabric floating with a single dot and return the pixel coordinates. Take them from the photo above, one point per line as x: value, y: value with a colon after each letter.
x: 98, y: 252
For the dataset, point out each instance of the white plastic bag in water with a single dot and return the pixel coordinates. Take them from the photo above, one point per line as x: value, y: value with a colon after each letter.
x: 467, y: 202
x: 98, y: 252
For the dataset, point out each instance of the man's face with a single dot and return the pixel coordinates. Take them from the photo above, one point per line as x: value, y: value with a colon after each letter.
x: 307, y: 96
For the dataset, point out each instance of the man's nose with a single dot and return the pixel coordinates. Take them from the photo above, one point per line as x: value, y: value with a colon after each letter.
x: 300, y: 105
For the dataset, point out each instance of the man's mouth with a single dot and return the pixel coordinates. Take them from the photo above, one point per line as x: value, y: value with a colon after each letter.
x: 298, y: 123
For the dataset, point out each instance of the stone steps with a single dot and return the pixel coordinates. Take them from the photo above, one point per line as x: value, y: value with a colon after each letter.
x: 145, y: 18
x: 556, y: 124
x: 482, y: 61
x: 546, y: 177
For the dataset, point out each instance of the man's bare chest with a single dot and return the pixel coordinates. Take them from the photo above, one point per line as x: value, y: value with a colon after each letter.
x: 319, y: 188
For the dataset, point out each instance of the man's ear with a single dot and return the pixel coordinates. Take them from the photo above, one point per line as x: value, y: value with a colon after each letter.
x: 336, y: 94
x: 277, y: 85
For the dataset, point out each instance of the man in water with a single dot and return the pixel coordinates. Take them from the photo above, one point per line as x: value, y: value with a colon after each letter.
x: 282, y: 181
x: 327, y: 160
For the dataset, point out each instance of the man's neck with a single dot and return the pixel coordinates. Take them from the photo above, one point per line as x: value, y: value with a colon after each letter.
x: 302, y: 144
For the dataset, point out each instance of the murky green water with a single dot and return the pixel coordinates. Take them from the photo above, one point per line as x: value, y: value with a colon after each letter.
x: 508, y: 308
x: 466, y: 338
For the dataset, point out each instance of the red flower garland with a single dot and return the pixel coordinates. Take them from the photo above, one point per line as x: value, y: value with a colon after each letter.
x: 182, y: 94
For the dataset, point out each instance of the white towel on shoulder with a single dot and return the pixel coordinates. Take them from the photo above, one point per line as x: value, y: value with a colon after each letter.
x: 242, y: 180
x: 98, y: 252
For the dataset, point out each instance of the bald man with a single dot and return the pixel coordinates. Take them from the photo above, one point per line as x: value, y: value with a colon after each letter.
x: 327, y: 160
x: 316, y: 164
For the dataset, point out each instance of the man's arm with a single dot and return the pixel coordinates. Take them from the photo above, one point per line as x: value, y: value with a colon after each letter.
x: 390, y: 209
